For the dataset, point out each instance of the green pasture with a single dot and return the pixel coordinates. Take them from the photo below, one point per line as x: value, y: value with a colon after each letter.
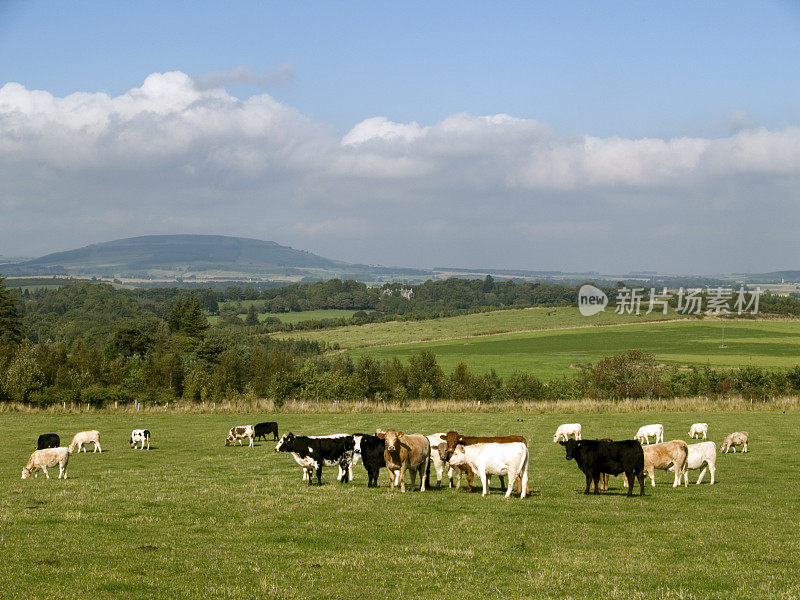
x: 550, y: 354
x: 194, y: 519
x: 294, y: 317
x: 464, y: 326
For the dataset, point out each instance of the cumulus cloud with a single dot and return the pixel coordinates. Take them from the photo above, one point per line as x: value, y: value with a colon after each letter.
x: 179, y: 153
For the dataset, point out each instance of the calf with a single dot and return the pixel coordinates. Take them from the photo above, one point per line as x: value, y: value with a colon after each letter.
x: 314, y: 453
x: 441, y: 450
x: 239, y: 432
x: 140, y: 436
x: 702, y: 455
x: 48, y: 440
x: 264, y: 429
x: 453, y: 437
x: 697, y: 429
x: 84, y: 437
x: 370, y: 448
x: 646, y: 431
x: 666, y: 455
x: 738, y: 438
x: 566, y: 430
x: 594, y: 458
x: 406, y: 452
x: 498, y: 459
x: 48, y: 457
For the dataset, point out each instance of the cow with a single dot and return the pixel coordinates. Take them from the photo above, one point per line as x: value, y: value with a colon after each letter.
x: 737, y: 438
x: 238, y: 432
x: 406, y: 452
x: 84, y: 437
x: 594, y: 458
x: 370, y: 448
x: 566, y: 430
x: 604, y: 476
x: 697, y: 429
x: 453, y: 437
x: 509, y: 459
x: 48, y: 457
x: 441, y: 450
x: 140, y: 436
x: 264, y: 429
x: 702, y: 455
x: 308, y: 464
x: 645, y: 431
x: 319, y: 452
x: 438, y: 461
x: 666, y: 455
x: 48, y: 440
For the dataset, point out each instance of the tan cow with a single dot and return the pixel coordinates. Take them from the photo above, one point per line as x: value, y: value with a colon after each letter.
x: 453, y: 437
x: 737, y: 438
x: 665, y: 455
x: 49, y: 457
x: 85, y: 437
x: 403, y: 452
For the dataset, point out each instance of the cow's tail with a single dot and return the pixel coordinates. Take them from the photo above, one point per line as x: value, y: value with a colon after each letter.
x: 428, y: 475
x: 524, y: 474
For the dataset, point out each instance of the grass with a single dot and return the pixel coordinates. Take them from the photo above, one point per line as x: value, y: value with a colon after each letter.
x: 466, y: 326
x: 294, y: 317
x: 193, y: 519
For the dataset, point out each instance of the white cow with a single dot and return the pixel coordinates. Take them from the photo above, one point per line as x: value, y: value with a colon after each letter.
x: 702, y: 455
x: 438, y: 460
x: 140, y: 436
x: 566, y: 430
x: 697, y: 429
x: 737, y: 438
x: 646, y: 431
x: 84, y: 437
x: 49, y: 457
x: 239, y: 432
x: 495, y: 459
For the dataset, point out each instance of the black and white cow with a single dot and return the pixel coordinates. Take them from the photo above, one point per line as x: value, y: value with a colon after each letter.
x: 371, y: 449
x: 48, y: 440
x: 140, y: 436
x: 264, y: 429
x: 316, y: 452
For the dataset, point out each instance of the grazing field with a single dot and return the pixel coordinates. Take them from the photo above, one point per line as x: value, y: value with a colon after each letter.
x: 194, y: 519
x: 293, y: 317
x: 466, y: 326
x: 550, y: 354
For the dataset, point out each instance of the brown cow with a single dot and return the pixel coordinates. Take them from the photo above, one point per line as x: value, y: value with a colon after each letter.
x: 403, y: 452
x: 665, y: 455
x: 453, y: 437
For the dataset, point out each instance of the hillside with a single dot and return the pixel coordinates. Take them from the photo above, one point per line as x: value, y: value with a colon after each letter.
x: 201, y: 256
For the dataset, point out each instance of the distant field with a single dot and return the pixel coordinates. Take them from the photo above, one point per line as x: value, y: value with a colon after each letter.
x: 193, y: 519
x: 500, y: 321
x: 294, y: 317
x: 550, y: 354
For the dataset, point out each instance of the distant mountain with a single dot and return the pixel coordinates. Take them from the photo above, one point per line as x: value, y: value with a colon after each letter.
x: 773, y: 277
x: 197, y: 256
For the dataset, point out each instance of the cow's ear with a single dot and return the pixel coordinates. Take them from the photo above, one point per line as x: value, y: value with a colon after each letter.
x: 381, y: 435
x: 401, y: 434
x: 443, y: 436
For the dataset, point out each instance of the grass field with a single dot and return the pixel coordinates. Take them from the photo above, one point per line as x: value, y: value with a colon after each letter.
x: 193, y: 519
x: 295, y: 317
x: 549, y: 354
x: 465, y: 326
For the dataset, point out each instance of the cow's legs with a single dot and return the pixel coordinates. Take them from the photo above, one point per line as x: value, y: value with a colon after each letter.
x: 596, y: 481
x: 588, y: 483
x: 470, y: 477
x: 319, y: 473
x: 511, y: 480
x: 702, y: 473
x: 45, y: 471
x: 712, y: 468
x: 485, y: 481
x: 641, y: 485
x: 745, y: 447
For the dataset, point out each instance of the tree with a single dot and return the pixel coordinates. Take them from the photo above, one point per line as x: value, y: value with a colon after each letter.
x: 10, y: 322
x: 187, y: 317
x: 252, y: 316
x: 24, y: 374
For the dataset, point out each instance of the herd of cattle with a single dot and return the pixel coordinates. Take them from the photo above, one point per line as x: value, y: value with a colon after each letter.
x: 400, y: 452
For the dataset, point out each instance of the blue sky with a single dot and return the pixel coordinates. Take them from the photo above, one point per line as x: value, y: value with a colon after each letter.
x: 629, y: 74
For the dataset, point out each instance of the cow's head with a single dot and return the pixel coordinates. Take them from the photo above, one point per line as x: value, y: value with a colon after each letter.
x: 442, y: 450
x: 357, y: 437
x: 392, y: 439
x: 570, y: 445
x: 26, y: 472
x: 458, y: 456
x: 132, y: 442
x: 284, y: 443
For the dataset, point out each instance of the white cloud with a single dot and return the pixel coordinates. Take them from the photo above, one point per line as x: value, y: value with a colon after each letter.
x: 176, y: 153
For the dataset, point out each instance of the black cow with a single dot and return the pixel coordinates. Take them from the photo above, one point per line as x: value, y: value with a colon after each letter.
x: 595, y: 457
x: 264, y: 429
x: 48, y: 440
x: 371, y: 449
x: 318, y: 452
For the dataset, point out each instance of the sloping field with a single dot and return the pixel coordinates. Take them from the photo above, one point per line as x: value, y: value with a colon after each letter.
x: 193, y: 519
x: 501, y: 321
x: 549, y: 354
